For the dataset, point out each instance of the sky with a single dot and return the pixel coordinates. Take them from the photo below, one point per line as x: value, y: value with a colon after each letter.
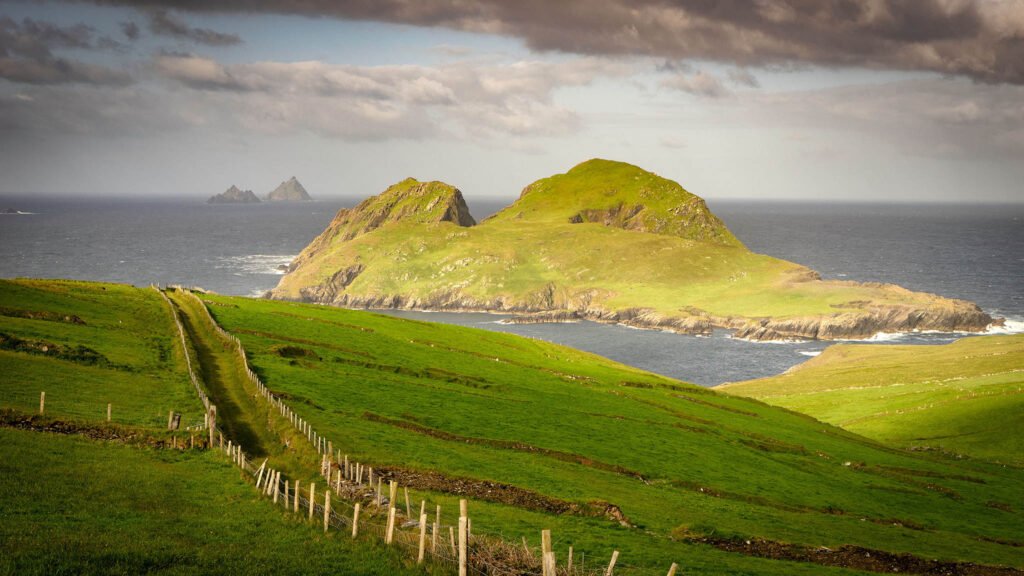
x: 838, y: 100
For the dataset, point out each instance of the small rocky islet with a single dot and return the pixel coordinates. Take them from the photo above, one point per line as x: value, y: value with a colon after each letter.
x: 290, y: 190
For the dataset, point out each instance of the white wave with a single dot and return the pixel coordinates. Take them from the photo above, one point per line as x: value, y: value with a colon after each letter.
x: 1014, y: 326
x: 811, y: 353
x: 257, y: 263
x: 886, y: 336
x: 256, y: 293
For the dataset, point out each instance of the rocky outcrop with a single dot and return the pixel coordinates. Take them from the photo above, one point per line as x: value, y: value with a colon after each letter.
x: 234, y: 195
x: 553, y: 317
x: 690, y: 219
x: 407, y: 201
x: 335, y: 285
x: 289, y: 191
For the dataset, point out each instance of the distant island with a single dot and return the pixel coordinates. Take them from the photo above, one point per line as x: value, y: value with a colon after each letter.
x: 234, y: 196
x: 289, y: 191
x: 606, y: 241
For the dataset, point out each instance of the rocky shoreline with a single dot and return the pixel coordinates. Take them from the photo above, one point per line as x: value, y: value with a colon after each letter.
x: 950, y: 316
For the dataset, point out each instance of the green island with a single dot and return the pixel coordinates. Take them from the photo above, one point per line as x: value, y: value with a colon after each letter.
x: 966, y: 397
x: 606, y: 241
x: 535, y: 435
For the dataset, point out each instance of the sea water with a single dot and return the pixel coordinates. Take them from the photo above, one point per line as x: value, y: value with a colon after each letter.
x: 970, y: 252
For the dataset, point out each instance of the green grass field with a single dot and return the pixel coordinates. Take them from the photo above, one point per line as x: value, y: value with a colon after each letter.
x: 966, y: 397
x: 675, y: 458
x: 76, y: 506
x: 138, y: 365
x: 564, y: 429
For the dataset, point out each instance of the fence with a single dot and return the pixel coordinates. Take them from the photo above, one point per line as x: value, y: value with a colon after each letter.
x: 453, y: 546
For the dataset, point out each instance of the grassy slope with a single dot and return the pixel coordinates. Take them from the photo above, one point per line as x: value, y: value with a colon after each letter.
x: 781, y: 475
x: 132, y: 510
x: 518, y: 252
x: 133, y: 328
x: 965, y: 397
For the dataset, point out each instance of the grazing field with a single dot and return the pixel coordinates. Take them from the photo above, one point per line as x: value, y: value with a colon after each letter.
x: 631, y: 460
x: 71, y: 505
x: 966, y: 397
x: 88, y: 344
x: 536, y: 435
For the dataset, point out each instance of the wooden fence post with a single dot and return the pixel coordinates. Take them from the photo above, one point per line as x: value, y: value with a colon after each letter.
x: 437, y: 528
x: 408, y: 509
x: 568, y: 566
x: 545, y: 552
x: 355, y: 521
x: 463, y: 552
x: 327, y: 509
x: 672, y: 569
x: 392, y: 494
x: 296, y: 506
x: 42, y: 402
x: 390, y: 534
x: 423, y: 538
x: 451, y: 536
x: 312, y: 493
x: 108, y: 411
x: 286, y: 499
x: 611, y: 565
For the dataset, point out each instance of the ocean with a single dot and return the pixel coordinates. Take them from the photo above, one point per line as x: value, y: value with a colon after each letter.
x: 975, y: 252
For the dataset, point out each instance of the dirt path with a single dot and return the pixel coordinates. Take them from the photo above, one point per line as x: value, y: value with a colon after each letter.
x: 222, y: 373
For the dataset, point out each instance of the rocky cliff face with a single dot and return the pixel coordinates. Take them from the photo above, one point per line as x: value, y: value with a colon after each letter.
x: 289, y: 191
x: 407, y: 201
x: 234, y: 195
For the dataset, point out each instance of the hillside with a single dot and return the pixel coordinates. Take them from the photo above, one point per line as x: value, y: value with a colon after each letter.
x: 536, y: 435
x: 966, y: 397
x: 605, y: 241
x: 84, y: 495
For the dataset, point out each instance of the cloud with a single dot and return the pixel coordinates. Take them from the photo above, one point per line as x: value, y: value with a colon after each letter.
x: 743, y: 77
x: 461, y: 99
x: 164, y: 23
x: 27, y: 54
x: 979, y: 39
x: 700, y: 83
x: 130, y: 30
x: 941, y: 118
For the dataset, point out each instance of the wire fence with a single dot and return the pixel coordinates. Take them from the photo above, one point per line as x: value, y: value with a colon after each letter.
x: 378, y: 513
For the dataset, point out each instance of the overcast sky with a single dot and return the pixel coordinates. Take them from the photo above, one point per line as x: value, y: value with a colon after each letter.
x: 913, y: 100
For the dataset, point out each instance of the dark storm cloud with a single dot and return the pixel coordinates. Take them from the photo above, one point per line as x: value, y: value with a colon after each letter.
x: 130, y: 30
x: 27, y: 54
x: 164, y: 23
x: 980, y: 39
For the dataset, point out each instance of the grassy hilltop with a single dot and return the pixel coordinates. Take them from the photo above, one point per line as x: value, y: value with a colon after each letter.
x: 965, y: 397
x: 606, y: 241
x: 536, y: 435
